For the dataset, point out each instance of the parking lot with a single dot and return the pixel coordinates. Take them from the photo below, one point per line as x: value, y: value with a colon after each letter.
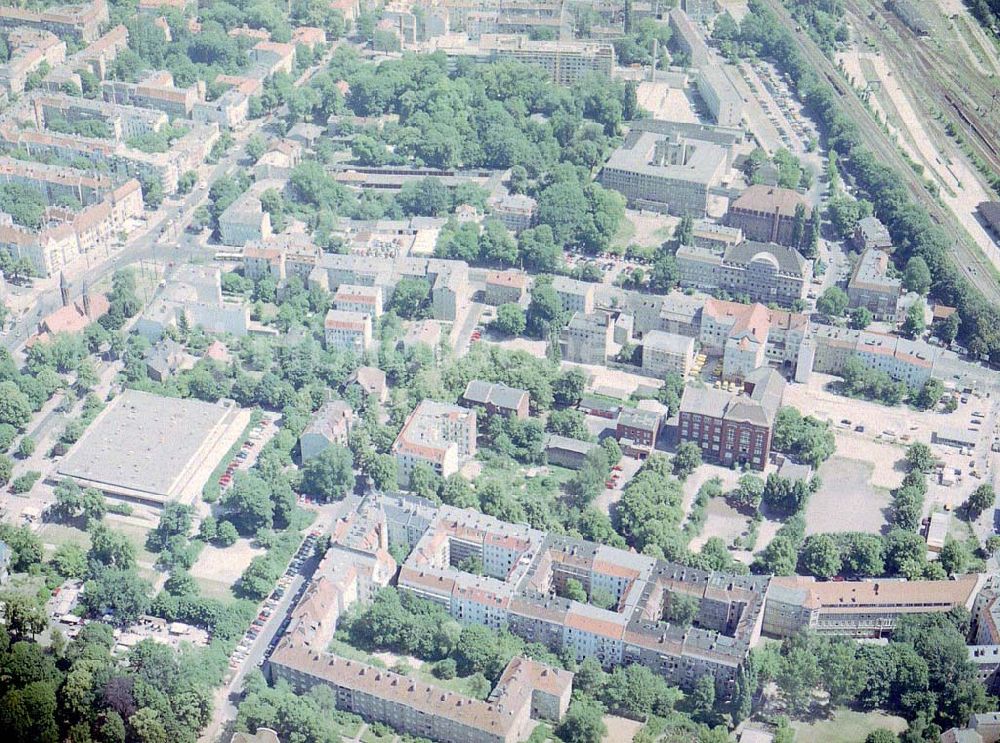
x: 874, y: 437
x: 245, y: 458
x: 272, y: 619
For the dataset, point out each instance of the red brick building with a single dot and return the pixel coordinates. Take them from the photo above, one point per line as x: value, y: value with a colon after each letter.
x: 637, y: 431
x: 733, y: 429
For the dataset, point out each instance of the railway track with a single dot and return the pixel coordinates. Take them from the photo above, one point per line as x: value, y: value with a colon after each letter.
x: 952, y: 93
x: 966, y: 256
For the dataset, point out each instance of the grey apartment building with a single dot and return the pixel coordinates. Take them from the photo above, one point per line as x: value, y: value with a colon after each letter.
x: 871, y: 286
x: 588, y: 338
x: 765, y: 272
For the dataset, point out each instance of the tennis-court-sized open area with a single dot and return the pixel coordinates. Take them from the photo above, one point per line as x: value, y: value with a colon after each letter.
x: 151, y: 449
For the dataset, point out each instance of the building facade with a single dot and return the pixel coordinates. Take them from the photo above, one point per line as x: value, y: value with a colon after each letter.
x: 733, y: 429
x: 767, y: 214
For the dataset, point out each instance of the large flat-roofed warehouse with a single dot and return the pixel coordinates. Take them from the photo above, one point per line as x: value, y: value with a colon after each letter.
x: 154, y: 449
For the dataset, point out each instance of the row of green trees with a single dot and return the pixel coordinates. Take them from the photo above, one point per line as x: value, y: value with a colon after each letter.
x: 913, y: 231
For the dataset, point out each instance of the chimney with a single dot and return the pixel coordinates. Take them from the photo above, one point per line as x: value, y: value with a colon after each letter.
x: 775, y: 223
x: 64, y: 289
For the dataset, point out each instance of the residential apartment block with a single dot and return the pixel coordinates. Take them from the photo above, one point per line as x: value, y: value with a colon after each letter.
x: 105, y: 211
x: 566, y: 62
x: 752, y: 336
x: 525, y: 570
x: 912, y: 362
x: 437, y: 434
x: 986, y: 614
x: 155, y: 90
x: 357, y: 564
x: 364, y: 299
x: 863, y: 609
x: 663, y: 353
x: 281, y: 256
x: 230, y: 110
x: 82, y: 22
x: 516, y: 211
x: 588, y: 338
x: 733, y: 429
x: 764, y: 272
x: 26, y: 127
x: 96, y: 58
x: 506, y: 287
x: 28, y: 50
x: 274, y: 56
x: 870, y: 233
x: 767, y: 213
x: 450, y: 291
x: 330, y: 425
x: 873, y: 287
x: 244, y: 221
x: 575, y: 295
x: 347, y: 331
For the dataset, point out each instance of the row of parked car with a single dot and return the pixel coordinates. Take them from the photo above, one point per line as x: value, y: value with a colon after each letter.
x: 242, y: 458
x: 270, y: 605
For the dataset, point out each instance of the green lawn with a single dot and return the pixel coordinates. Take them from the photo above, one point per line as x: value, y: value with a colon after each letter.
x: 561, y: 474
x: 846, y: 726
x: 137, y: 536
x: 60, y: 534
x: 215, y: 589
x: 458, y: 684
x: 369, y: 736
x: 626, y: 231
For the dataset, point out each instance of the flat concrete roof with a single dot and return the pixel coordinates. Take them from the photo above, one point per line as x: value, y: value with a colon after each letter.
x: 147, y: 447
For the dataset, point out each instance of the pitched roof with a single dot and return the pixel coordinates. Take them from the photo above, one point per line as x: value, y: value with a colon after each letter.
x: 761, y: 198
x: 495, y: 393
x: 787, y: 260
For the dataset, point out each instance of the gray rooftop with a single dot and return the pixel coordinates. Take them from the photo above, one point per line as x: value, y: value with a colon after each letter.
x: 872, y: 272
x: 703, y: 164
x: 758, y: 408
x: 660, y: 340
x: 478, y: 391
x: 566, y: 285
x: 636, y: 418
x: 707, y: 401
x: 788, y: 260
x: 145, y: 443
x: 554, y: 441
x: 873, y: 231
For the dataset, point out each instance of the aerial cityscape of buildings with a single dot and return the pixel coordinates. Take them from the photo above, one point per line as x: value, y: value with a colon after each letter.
x: 495, y: 371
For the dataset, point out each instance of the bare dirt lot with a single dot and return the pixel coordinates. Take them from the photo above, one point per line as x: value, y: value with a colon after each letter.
x: 847, y: 500
x: 723, y: 521
x: 224, y: 564
x: 620, y: 729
